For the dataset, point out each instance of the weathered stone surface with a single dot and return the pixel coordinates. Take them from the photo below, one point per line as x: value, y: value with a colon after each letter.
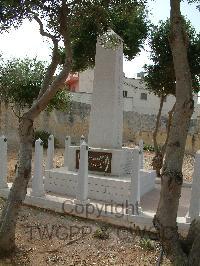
x: 106, y: 117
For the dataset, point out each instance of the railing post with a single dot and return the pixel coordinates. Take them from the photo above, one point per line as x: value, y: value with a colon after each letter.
x: 50, y: 153
x: 82, y: 140
x: 67, y: 154
x: 3, y: 162
x: 134, y: 189
x: 37, y: 181
x: 82, y: 186
x: 195, y: 193
x: 141, y: 147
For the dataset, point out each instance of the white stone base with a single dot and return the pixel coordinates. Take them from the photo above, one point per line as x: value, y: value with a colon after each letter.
x: 107, y: 189
x: 66, y: 205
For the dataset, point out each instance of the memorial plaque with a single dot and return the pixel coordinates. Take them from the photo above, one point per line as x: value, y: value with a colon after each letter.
x: 97, y: 161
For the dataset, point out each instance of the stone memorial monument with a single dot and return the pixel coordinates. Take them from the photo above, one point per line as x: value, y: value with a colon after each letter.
x: 106, y: 155
x: 106, y: 117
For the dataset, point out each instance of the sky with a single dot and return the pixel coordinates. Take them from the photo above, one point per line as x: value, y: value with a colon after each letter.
x: 26, y: 41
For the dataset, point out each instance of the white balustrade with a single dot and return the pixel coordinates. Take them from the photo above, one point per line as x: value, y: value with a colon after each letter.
x: 141, y: 147
x: 67, y: 151
x: 194, y: 208
x: 82, y: 186
x: 3, y: 162
x: 135, y: 180
x: 82, y: 139
x: 37, y: 180
x: 50, y: 153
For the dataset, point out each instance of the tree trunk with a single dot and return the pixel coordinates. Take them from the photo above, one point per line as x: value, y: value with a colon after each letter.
x: 18, y: 191
x: 155, y: 133
x: 0, y: 118
x: 6, y: 120
x: 19, y: 188
x: 169, y: 123
x: 172, y: 178
x: 157, y: 160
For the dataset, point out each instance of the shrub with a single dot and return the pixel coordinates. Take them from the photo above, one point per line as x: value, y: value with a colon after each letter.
x: 101, y: 233
x: 147, y: 244
x: 148, y: 147
x: 44, y: 136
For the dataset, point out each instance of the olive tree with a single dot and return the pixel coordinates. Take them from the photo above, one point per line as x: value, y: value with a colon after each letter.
x: 160, y: 76
x: 75, y: 25
x: 181, y: 252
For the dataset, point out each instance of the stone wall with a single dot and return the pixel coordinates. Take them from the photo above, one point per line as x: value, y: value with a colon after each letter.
x: 76, y: 123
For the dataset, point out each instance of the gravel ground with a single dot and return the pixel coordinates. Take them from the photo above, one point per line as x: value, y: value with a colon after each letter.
x: 77, y: 242
x: 188, y: 165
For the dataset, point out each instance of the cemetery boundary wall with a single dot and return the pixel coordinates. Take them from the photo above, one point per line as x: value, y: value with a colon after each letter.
x: 76, y: 123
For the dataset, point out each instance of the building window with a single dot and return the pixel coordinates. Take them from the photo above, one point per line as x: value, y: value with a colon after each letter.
x: 143, y: 96
x: 125, y: 93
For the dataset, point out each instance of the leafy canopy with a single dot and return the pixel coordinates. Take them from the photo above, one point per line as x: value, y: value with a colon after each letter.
x: 20, y: 84
x: 160, y: 78
x: 86, y: 20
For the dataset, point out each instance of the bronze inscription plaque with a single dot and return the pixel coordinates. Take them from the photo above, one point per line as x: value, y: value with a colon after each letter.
x: 97, y: 161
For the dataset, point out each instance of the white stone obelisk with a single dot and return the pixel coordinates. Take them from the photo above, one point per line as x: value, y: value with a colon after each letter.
x: 37, y: 181
x: 106, y: 117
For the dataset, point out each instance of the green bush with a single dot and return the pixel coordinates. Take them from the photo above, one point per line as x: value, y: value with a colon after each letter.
x: 147, y: 244
x: 44, y: 136
x: 151, y: 148
x: 148, y: 147
x: 101, y: 233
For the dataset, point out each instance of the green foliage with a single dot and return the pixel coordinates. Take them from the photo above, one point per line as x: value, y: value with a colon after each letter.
x: 148, y: 147
x: 147, y: 244
x: 160, y: 78
x: 44, y: 136
x: 101, y: 233
x: 61, y: 101
x: 127, y: 19
x: 86, y: 21
x: 131, y: 24
x: 20, y: 80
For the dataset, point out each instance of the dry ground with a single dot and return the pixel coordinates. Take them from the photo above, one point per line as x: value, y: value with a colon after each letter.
x: 71, y: 241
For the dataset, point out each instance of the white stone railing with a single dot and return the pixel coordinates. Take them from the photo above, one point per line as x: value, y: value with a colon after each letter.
x: 81, y: 182
x: 194, y: 208
x: 3, y: 162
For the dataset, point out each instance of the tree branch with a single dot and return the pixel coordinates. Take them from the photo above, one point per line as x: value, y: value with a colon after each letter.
x: 43, y: 32
x: 162, y: 97
x: 50, y: 92
x: 170, y: 115
x: 54, y: 61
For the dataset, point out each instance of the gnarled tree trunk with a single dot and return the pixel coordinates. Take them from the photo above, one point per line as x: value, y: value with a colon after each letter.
x: 1, y: 120
x: 172, y: 178
x: 48, y: 90
x: 19, y: 188
x: 157, y: 159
